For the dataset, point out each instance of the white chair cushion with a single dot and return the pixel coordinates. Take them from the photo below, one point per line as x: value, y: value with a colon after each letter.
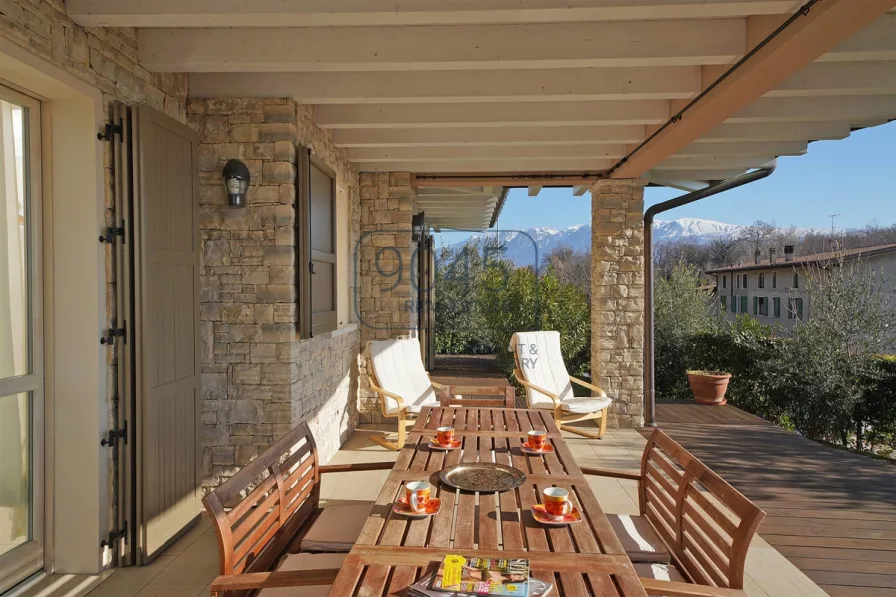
x: 583, y: 406
x: 337, y: 528
x: 639, y: 540
x: 666, y: 572
x: 541, y: 363
x: 398, y: 367
x: 306, y: 561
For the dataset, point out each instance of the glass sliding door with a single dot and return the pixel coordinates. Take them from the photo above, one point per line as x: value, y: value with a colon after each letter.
x: 21, y: 341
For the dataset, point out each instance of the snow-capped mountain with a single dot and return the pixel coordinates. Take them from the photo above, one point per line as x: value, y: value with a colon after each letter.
x: 524, y: 247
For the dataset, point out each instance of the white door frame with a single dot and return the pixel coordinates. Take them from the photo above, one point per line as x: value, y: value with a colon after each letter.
x: 28, y: 558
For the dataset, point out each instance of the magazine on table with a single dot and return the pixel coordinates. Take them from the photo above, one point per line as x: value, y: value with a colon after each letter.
x: 537, y: 588
x: 498, y: 577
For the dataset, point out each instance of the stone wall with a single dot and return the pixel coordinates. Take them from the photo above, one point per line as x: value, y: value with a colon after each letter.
x: 386, y: 266
x: 259, y: 378
x: 617, y: 291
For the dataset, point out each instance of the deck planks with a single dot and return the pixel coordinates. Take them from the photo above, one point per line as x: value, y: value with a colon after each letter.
x: 831, y: 512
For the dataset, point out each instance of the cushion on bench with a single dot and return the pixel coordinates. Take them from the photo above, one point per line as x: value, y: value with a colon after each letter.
x: 337, y: 528
x: 305, y: 561
x: 666, y: 572
x: 639, y: 540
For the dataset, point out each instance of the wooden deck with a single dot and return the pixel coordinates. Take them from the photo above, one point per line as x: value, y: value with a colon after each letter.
x: 831, y: 512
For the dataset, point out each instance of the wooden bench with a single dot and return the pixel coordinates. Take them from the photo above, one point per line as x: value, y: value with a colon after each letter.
x: 705, y: 524
x: 478, y: 396
x: 263, y: 512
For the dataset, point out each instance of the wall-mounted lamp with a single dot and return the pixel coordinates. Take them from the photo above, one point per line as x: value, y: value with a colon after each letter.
x: 417, y: 226
x: 236, y: 180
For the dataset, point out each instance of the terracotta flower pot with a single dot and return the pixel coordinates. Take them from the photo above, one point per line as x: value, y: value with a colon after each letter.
x: 709, y: 387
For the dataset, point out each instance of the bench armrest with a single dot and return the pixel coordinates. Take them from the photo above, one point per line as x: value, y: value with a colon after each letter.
x: 605, y: 472
x: 358, y: 466
x: 590, y: 386
x: 681, y: 589
x: 268, y: 580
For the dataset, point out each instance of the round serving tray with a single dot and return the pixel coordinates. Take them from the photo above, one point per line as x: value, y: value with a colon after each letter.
x: 485, y: 477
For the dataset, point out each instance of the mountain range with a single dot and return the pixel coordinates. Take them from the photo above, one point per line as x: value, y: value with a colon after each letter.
x: 524, y: 247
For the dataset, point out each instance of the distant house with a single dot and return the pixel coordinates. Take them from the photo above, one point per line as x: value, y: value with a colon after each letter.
x: 773, y: 290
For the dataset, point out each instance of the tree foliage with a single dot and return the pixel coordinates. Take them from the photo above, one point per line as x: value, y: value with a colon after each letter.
x: 824, y: 378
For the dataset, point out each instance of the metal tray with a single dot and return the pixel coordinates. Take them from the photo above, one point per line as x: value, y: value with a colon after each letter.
x: 485, y: 477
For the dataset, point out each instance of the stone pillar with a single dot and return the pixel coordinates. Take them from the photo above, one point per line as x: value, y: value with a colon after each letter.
x: 248, y: 292
x: 617, y: 297
x: 386, y: 267
x: 259, y: 379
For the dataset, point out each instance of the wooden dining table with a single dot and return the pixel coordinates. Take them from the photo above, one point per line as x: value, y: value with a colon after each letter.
x: 583, y: 559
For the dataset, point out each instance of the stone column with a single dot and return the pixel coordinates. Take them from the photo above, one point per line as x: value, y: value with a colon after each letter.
x: 617, y: 297
x: 248, y: 292
x: 386, y: 267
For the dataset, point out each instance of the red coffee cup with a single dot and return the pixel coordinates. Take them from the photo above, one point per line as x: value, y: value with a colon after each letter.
x: 556, y: 502
x: 537, y: 439
x: 445, y: 436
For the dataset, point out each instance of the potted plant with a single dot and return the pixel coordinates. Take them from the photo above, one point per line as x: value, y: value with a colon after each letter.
x: 709, y: 387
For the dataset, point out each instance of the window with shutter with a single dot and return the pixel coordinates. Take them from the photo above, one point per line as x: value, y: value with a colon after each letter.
x: 316, y: 244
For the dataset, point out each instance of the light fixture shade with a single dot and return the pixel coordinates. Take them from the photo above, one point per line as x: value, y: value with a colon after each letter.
x: 236, y: 181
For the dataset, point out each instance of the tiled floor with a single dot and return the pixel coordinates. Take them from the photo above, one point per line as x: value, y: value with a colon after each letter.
x: 189, y: 566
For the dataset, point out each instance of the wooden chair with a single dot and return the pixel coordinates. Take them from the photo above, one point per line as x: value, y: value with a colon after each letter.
x: 263, y: 514
x: 541, y: 370
x: 396, y: 373
x: 702, y: 524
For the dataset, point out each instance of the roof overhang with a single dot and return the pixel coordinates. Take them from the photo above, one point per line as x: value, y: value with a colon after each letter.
x: 679, y: 92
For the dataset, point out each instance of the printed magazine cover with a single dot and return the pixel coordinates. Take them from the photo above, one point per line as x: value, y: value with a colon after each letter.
x: 537, y: 588
x: 483, y: 576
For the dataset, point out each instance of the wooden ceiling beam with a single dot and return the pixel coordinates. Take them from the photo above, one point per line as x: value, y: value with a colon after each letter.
x: 811, y: 35
x: 508, y: 165
x: 466, y: 47
x: 428, y: 154
x: 567, y: 84
x: 526, y: 114
x: 503, y: 179
x: 354, y: 13
x: 488, y: 136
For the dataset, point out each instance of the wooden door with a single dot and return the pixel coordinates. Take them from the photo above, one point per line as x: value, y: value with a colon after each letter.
x: 167, y: 331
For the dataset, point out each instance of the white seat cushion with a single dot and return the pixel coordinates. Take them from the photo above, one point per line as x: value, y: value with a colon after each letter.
x: 306, y: 561
x: 398, y: 368
x: 666, y: 572
x: 541, y: 363
x: 639, y: 540
x: 337, y: 528
x: 583, y: 406
x: 580, y: 405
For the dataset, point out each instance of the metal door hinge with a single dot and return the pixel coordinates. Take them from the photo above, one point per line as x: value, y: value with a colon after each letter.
x: 311, y: 267
x: 114, y: 435
x: 112, y: 232
x: 115, y: 333
x: 115, y: 536
x: 109, y: 130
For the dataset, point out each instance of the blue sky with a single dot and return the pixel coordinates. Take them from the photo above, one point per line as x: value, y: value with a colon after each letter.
x: 854, y: 177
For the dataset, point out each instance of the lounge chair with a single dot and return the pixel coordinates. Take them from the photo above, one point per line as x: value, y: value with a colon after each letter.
x: 541, y: 370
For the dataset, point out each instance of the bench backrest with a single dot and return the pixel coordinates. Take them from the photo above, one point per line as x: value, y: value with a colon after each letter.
x: 257, y: 512
x: 706, y: 523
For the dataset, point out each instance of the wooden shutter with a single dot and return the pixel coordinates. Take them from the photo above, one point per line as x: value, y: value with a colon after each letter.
x: 316, y: 246
x: 167, y: 331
